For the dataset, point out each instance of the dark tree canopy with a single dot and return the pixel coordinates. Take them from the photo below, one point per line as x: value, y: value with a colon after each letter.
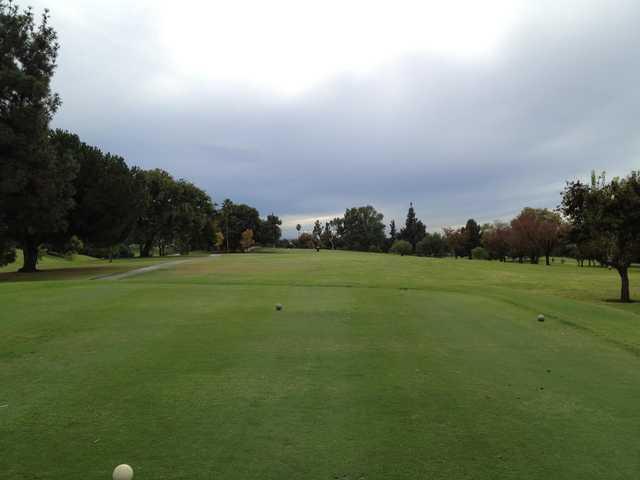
x: 108, y: 195
x: 235, y: 219
x: 269, y: 231
x: 174, y: 214
x: 7, y: 247
x: 432, y: 245
x: 153, y: 224
x: 36, y: 189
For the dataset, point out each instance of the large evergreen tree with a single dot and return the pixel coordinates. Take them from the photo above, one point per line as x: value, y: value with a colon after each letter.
x: 414, y: 230
x: 36, y: 184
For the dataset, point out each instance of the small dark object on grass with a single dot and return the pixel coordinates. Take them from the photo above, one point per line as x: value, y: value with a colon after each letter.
x: 541, y: 318
x: 278, y: 306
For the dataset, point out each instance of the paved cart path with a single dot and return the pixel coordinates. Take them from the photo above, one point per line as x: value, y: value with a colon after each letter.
x: 150, y: 268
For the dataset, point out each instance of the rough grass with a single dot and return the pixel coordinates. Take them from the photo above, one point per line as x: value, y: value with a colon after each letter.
x: 378, y: 367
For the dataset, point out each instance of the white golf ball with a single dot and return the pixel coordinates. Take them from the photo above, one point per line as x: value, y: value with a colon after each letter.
x: 123, y: 472
x: 541, y: 318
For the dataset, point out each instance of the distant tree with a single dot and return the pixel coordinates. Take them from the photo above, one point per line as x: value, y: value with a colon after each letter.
x: 246, y: 241
x: 235, y: 218
x: 533, y: 232
x: 479, y: 253
x: 269, y: 231
x: 401, y: 247
x: 205, y: 239
x: 414, y: 230
x: 608, y: 212
x: 472, y: 236
x: 432, y: 245
x: 455, y: 241
x: 393, y: 234
x: 36, y: 185
x: 174, y: 214
x: 495, y: 239
x: 327, y: 236
x: 306, y: 240
x: 298, y: 228
x: 362, y: 228
x: 550, y: 232
x: 154, y: 225
x: 190, y: 214
x: 337, y: 232
x: 423, y: 249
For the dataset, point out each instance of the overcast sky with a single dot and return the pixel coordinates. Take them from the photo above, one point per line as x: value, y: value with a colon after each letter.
x: 467, y: 108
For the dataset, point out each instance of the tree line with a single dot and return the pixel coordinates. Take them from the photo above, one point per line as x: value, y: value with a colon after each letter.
x: 597, y: 222
x: 61, y: 194
x: 533, y: 234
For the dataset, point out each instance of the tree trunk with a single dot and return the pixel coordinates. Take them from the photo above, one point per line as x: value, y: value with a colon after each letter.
x: 624, y: 287
x: 145, y: 249
x: 547, y: 259
x: 30, y: 255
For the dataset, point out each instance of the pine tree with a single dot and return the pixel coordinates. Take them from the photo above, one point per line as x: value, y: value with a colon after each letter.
x: 36, y: 187
x: 392, y: 231
x: 414, y: 230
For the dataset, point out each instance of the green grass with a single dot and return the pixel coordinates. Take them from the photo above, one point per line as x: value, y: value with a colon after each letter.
x: 78, y: 267
x: 379, y: 367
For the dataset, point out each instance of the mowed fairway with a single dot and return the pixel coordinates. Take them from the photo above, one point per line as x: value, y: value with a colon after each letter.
x: 378, y: 367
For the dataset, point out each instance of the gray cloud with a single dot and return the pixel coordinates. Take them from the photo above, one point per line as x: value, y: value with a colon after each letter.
x: 458, y: 138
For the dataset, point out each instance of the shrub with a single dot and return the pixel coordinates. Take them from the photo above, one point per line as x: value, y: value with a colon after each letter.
x: 479, y: 253
x: 375, y: 249
x: 423, y: 247
x: 401, y: 247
